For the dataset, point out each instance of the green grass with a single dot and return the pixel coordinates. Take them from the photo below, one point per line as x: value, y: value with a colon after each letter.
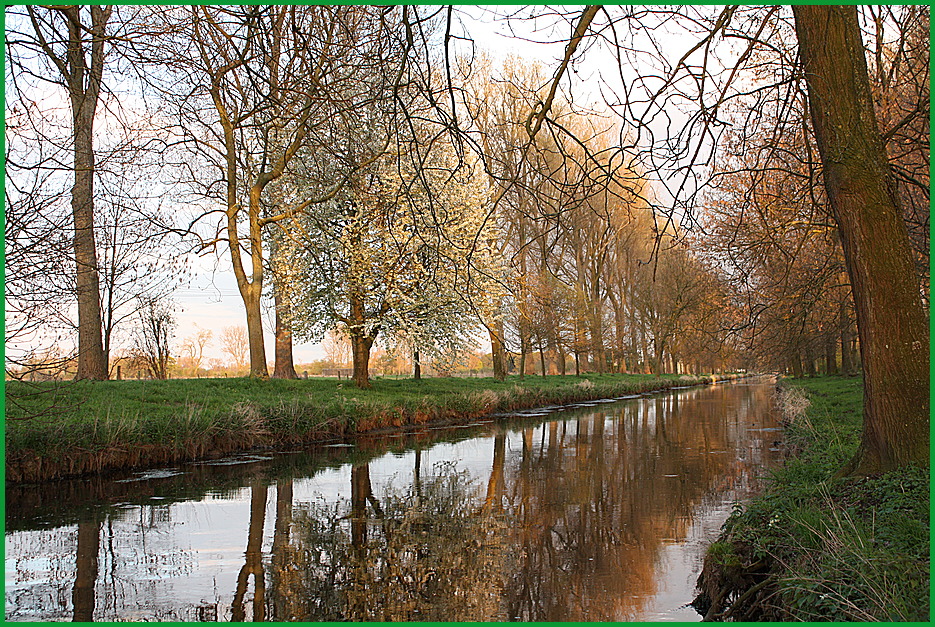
x: 117, y: 419
x: 840, y: 549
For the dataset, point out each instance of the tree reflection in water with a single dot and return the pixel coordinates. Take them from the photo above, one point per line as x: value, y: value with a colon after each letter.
x: 407, y: 556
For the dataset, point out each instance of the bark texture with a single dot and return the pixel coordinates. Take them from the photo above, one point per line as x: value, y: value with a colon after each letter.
x: 891, y: 322
x: 83, y: 81
x: 284, y: 367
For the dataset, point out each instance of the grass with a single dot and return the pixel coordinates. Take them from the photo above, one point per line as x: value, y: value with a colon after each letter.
x: 62, y: 429
x: 833, y: 549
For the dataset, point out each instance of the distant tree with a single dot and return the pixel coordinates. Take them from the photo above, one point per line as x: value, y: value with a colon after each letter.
x: 337, y: 347
x: 235, y: 342
x: 193, y: 348
x: 154, y: 339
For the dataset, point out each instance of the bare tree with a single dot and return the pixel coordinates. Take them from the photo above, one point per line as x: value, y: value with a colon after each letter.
x: 193, y: 348
x: 153, y: 342
x: 235, y: 342
x: 72, y: 40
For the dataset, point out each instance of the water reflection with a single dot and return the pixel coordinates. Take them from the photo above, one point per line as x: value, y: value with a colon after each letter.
x: 588, y: 516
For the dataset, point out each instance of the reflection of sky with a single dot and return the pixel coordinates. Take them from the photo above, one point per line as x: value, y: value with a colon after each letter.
x: 165, y: 559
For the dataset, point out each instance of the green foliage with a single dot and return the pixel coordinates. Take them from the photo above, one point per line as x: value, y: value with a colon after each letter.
x: 844, y: 549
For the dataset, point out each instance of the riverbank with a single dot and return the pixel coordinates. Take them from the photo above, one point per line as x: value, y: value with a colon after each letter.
x: 57, y: 430
x: 815, y: 547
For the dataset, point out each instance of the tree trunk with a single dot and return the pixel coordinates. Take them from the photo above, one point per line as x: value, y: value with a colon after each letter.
x: 796, y: 366
x: 891, y: 322
x: 360, y: 348
x: 284, y: 367
x: 416, y: 365
x: 251, y: 298
x: 542, y: 358
x: 831, y: 357
x: 92, y: 362
x: 522, y: 356
x: 496, y: 351
x: 809, y: 361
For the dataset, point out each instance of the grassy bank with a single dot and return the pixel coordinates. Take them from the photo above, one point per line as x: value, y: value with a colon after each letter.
x: 814, y: 547
x: 66, y: 429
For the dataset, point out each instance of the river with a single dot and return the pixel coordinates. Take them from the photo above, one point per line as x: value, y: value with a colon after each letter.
x: 595, y: 512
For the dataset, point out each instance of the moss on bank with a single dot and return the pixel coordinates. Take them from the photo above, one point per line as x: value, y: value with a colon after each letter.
x: 67, y: 429
x: 816, y: 547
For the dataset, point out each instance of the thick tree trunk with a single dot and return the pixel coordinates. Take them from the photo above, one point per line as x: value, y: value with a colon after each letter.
x: 251, y: 299
x: 416, y: 365
x: 891, y: 322
x: 360, y: 349
x: 497, y: 352
x: 284, y: 368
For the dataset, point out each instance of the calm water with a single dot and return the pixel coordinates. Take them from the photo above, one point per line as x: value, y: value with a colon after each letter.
x: 597, y: 512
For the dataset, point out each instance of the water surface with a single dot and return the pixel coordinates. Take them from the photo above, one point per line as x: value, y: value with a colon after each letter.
x: 597, y: 512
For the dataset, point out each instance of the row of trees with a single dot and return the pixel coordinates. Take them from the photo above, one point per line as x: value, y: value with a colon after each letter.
x: 359, y: 167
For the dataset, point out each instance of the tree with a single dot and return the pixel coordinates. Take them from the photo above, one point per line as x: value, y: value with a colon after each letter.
x: 73, y: 40
x: 891, y: 321
x: 54, y: 258
x: 389, y: 256
x: 153, y: 342
x: 265, y: 85
x: 193, y: 348
x: 234, y: 342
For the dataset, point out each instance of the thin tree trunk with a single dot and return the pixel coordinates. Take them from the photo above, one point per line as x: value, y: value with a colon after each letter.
x: 84, y: 85
x: 542, y: 357
x: 891, y: 322
x: 416, y: 365
x: 497, y: 352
